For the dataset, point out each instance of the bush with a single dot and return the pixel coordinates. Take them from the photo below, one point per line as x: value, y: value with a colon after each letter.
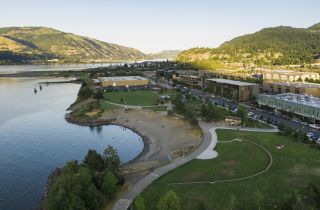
x: 170, y: 201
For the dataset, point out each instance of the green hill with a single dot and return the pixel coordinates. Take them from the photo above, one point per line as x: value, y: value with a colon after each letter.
x: 40, y: 43
x: 165, y: 54
x: 270, y: 46
x: 315, y: 27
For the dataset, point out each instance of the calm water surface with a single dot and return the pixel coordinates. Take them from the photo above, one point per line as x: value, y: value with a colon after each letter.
x: 35, y: 139
x: 53, y: 67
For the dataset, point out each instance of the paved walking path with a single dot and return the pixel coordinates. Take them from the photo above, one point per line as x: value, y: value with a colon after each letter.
x: 134, y: 106
x: 126, y: 200
x: 210, y: 153
x: 204, y: 150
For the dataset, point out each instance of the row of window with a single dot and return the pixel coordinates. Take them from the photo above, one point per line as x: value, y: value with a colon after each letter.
x: 300, y: 109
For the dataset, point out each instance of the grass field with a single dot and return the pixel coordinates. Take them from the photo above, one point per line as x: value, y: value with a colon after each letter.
x: 107, y: 107
x: 293, y: 168
x: 138, y: 98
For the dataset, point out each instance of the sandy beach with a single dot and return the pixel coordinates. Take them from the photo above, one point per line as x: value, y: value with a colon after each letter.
x: 166, y: 137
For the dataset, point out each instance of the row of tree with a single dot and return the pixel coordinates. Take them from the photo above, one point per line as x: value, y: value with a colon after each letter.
x: 169, y: 201
x: 297, y: 135
x: 87, y: 185
x: 180, y: 108
x: 290, y: 201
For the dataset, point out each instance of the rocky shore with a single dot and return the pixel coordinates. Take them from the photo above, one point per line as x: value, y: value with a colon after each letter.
x: 49, y: 184
x: 112, y: 121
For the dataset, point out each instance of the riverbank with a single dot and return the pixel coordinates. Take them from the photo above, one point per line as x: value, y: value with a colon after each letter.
x: 165, y: 138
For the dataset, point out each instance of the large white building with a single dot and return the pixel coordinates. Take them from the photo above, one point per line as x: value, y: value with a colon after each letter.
x: 303, y: 105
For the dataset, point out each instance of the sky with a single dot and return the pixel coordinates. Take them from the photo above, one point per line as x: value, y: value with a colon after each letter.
x: 155, y: 25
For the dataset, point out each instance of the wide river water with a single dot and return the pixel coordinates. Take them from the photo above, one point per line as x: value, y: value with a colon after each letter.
x: 35, y: 138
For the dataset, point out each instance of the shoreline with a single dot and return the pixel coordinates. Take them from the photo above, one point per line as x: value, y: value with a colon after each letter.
x: 81, y: 122
x: 93, y: 122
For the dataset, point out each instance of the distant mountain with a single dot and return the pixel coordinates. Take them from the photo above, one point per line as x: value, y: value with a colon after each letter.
x: 41, y: 43
x: 165, y: 54
x: 271, y: 46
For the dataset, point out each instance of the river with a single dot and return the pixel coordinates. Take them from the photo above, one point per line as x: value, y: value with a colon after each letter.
x: 35, y: 138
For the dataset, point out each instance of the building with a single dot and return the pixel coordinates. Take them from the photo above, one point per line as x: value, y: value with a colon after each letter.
x: 285, y: 87
x: 235, y: 90
x: 191, y: 80
x: 127, y: 81
x: 192, y: 77
x: 302, y: 105
x: 289, y: 76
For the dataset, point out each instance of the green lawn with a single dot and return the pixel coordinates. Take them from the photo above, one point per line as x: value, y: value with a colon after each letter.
x: 139, y: 97
x: 293, y: 168
x: 252, y: 123
x: 106, y: 106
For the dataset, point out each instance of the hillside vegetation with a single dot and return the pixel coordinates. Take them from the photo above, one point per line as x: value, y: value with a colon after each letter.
x: 40, y: 43
x: 270, y: 46
x: 165, y: 54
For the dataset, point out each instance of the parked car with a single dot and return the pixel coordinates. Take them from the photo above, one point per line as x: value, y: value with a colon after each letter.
x: 250, y: 114
x: 304, y: 123
x: 310, y: 135
x: 315, y: 126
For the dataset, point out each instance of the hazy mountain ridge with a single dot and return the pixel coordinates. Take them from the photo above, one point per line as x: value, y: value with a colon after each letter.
x: 272, y: 46
x: 41, y: 43
x: 165, y: 54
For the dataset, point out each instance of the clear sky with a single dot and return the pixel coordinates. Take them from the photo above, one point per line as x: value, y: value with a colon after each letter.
x: 155, y: 25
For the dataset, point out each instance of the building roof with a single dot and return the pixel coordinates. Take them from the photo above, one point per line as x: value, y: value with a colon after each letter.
x: 122, y: 78
x: 297, y: 98
x: 287, y: 72
x: 232, y: 82
x: 297, y: 84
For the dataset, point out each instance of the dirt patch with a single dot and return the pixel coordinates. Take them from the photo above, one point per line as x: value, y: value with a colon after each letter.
x: 300, y: 169
x: 228, y: 172
x: 195, y: 175
x: 230, y: 163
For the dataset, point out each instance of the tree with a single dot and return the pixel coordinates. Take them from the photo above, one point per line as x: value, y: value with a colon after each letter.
x: 179, y: 106
x: 94, y: 161
x: 109, y: 186
x: 201, y: 206
x: 85, y: 92
x: 258, y: 198
x: 138, y: 204
x: 243, y: 114
x: 170, y: 201
x: 98, y: 95
x: 281, y: 126
x: 111, y: 158
x: 203, y: 110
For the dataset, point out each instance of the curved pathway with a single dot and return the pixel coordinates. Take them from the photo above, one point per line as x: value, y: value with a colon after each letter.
x: 208, y: 143
x: 235, y: 179
x: 126, y: 200
x: 133, y: 106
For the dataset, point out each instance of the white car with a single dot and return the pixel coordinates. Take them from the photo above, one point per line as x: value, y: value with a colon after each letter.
x: 309, y: 135
x: 250, y: 114
x: 315, y: 126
